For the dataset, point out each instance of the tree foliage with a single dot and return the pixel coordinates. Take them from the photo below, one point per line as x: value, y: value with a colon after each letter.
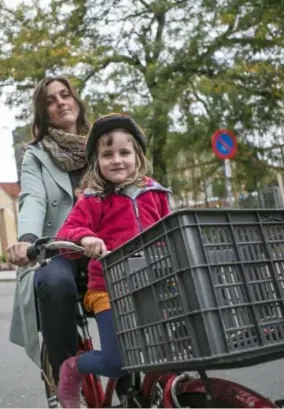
x: 182, y: 68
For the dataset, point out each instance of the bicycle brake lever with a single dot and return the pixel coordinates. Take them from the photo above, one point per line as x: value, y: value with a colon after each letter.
x: 42, y: 240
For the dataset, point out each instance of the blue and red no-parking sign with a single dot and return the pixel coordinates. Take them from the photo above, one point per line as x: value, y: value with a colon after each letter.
x: 224, y: 144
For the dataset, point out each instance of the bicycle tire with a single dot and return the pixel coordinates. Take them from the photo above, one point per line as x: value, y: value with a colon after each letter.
x: 225, y: 394
x: 198, y: 400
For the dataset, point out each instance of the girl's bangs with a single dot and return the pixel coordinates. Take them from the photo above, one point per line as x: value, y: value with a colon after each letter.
x: 106, y: 140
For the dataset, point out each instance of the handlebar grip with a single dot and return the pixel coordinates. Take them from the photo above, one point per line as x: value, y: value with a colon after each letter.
x: 32, y: 253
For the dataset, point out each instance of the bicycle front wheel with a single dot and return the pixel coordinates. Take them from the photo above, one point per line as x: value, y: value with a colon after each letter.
x: 198, y: 400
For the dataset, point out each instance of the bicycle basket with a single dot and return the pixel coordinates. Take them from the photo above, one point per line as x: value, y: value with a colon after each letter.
x: 208, y: 292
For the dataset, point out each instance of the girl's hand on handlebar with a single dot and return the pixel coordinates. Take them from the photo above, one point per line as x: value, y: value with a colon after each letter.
x: 17, y: 253
x: 94, y: 247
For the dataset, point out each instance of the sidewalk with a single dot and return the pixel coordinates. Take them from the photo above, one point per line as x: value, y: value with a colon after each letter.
x: 9, y: 275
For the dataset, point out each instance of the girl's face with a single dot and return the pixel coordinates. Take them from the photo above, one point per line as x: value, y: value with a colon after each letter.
x: 116, y: 156
x: 62, y: 108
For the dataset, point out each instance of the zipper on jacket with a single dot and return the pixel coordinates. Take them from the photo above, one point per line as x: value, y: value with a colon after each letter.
x: 136, y: 211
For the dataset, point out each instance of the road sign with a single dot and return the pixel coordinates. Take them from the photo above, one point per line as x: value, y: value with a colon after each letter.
x: 224, y: 144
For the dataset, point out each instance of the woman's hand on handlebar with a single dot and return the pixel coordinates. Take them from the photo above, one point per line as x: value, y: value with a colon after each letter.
x: 94, y: 247
x: 17, y: 253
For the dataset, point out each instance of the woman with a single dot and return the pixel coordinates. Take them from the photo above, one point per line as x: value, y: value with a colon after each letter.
x: 53, y: 165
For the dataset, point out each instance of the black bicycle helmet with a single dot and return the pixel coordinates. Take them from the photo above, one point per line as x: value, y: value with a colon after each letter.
x: 108, y: 123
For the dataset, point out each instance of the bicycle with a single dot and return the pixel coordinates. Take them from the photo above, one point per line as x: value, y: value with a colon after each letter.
x: 92, y: 389
x: 232, y: 318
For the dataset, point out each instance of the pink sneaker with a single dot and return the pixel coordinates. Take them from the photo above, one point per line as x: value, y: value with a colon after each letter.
x: 69, y: 386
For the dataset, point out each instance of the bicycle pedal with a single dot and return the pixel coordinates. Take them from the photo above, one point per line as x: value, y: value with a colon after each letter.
x: 52, y: 401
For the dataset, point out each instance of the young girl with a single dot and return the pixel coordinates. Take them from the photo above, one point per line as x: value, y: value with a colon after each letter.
x: 119, y: 202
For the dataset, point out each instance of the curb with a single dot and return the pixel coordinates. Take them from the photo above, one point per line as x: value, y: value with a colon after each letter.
x: 8, y: 276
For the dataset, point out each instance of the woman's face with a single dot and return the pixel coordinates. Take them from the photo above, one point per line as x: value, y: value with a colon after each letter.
x: 62, y: 108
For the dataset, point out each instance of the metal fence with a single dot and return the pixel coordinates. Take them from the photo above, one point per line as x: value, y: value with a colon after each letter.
x: 265, y: 198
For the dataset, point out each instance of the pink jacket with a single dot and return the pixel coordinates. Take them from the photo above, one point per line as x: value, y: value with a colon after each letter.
x: 115, y: 219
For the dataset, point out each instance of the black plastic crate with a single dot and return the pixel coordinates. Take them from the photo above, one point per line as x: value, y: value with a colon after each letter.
x: 208, y: 293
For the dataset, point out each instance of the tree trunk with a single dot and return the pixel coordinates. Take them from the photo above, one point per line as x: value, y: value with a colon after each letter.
x: 159, y: 140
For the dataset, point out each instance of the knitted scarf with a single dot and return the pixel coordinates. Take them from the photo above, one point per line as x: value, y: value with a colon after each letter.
x: 66, y: 149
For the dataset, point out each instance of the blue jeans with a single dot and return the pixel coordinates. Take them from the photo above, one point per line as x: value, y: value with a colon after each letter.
x: 106, y: 362
x: 56, y: 294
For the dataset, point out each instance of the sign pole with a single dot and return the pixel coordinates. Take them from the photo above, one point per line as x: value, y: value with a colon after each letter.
x: 228, y: 181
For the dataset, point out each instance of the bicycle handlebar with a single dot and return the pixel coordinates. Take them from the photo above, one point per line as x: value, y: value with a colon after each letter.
x: 46, y: 243
x: 36, y: 252
x: 32, y: 253
x: 64, y: 245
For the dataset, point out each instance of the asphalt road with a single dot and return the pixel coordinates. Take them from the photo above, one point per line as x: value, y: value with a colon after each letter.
x: 20, y: 382
x: 21, y: 385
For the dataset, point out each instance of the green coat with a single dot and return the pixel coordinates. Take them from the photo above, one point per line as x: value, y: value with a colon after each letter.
x: 45, y: 201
